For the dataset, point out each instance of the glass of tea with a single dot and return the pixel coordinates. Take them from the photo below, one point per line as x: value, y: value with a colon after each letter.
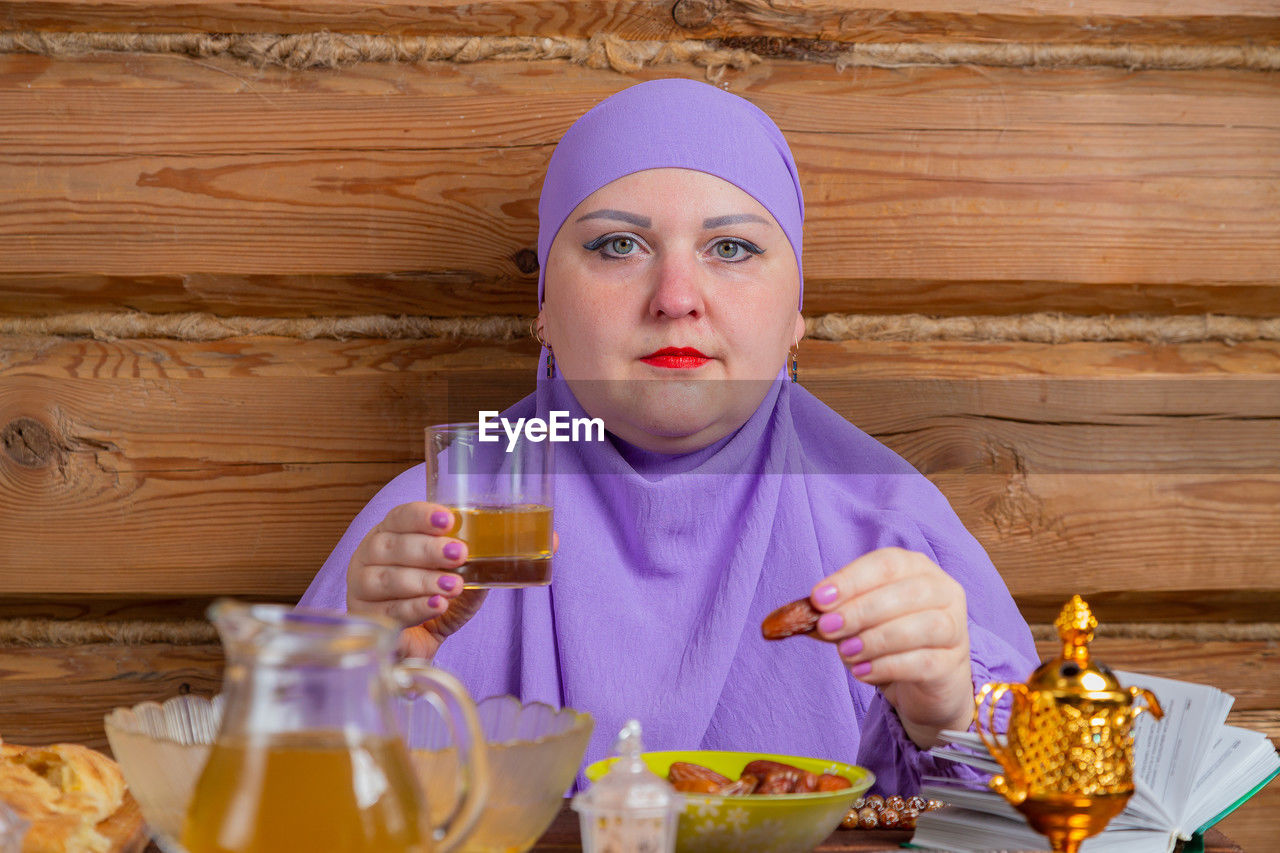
x: 500, y: 493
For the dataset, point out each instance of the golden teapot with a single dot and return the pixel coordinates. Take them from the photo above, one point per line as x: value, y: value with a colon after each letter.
x: 1068, y: 754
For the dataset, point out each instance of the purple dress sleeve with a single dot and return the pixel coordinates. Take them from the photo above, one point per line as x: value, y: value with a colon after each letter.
x: 1000, y: 648
x: 886, y: 749
x: 328, y: 589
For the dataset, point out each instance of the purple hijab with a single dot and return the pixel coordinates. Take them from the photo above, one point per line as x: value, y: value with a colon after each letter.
x: 678, y: 124
x: 668, y: 564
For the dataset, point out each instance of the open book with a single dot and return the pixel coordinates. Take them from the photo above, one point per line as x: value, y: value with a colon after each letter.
x: 1190, y: 771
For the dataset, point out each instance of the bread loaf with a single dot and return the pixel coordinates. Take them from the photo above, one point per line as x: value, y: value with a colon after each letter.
x: 63, y: 791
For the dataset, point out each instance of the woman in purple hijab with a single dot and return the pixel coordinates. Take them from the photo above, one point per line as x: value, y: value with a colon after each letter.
x: 670, y: 242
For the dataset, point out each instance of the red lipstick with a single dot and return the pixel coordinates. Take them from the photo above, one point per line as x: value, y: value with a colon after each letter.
x: 682, y: 358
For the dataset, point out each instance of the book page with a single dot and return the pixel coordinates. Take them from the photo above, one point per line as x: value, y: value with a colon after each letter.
x: 1168, y: 753
x: 965, y: 739
x: 986, y: 765
x: 961, y: 829
x: 1239, y: 761
x: 1144, y: 810
x: 978, y: 801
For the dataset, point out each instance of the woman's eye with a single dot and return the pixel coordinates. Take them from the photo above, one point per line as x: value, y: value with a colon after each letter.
x: 734, y: 250
x: 727, y: 250
x: 622, y: 245
x: 613, y: 245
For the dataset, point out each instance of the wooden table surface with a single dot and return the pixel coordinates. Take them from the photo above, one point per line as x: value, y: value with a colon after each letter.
x: 563, y: 836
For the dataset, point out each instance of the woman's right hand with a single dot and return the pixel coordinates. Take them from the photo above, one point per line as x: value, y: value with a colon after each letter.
x: 403, y: 569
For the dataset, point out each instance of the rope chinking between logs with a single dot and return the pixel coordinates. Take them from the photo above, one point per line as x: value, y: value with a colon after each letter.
x: 1047, y: 328
x: 338, y: 50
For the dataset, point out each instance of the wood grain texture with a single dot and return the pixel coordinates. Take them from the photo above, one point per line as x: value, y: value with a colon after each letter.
x: 1265, y: 721
x: 52, y: 695
x: 1155, y: 606
x: 107, y: 609
x: 1253, y: 826
x: 147, y: 104
x: 164, y: 184
x: 1239, y: 668
x: 1073, y: 464
x: 848, y: 20
x: 239, y: 529
x: 266, y: 501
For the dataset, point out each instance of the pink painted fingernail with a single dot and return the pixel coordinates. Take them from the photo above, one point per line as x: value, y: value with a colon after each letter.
x: 435, y: 602
x: 850, y: 647
x: 448, y: 583
x: 861, y: 669
x: 825, y: 594
x: 830, y: 622
x: 453, y: 550
x: 440, y: 519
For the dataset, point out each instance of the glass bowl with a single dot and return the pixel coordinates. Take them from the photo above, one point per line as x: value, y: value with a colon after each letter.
x: 534, y: 752
x: 761, y: 823
x: 161, y: 750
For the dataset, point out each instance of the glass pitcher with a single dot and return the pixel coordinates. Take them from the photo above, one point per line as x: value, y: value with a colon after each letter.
x: 309, y: 755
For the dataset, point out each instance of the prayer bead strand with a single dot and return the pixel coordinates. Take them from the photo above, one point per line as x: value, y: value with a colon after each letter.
x: 876, y: 812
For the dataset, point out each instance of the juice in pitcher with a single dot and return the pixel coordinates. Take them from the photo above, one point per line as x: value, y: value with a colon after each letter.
x: 307, y: 791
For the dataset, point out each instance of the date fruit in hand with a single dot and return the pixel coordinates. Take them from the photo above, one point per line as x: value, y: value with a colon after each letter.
x: 798, y: 617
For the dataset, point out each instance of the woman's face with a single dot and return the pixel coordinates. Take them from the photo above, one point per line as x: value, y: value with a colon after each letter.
x: 670, y: 304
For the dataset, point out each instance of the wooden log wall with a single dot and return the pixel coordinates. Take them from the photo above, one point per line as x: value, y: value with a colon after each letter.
x: 246, y: 250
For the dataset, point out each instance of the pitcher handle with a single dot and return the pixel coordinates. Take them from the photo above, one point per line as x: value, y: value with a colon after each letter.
x: 415, y: 676
x: 994, y: 692
x: 1153, y: 704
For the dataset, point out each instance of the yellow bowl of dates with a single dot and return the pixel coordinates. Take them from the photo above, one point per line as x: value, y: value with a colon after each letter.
x: 764, y: 823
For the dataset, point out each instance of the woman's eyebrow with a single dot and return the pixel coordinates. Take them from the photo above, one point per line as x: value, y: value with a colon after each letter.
x: 733, y: 219
x: 621, y: 215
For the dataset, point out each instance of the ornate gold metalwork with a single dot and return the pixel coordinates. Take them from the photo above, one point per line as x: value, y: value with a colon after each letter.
x: 1068, y: 753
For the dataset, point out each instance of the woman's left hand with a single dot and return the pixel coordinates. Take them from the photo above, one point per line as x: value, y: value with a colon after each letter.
x: 900, y: 623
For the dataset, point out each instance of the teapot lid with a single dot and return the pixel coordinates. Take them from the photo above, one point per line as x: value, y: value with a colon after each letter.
x: 1075, y: 675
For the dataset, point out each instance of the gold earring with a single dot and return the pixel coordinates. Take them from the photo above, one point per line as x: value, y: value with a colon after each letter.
x: 551, y: 356
x: 795, y: 361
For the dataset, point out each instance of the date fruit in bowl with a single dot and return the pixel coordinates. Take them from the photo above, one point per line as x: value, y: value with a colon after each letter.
x: 765, y: 823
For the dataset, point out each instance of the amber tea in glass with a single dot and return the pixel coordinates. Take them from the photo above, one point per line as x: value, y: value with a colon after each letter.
x: 494, y: 532
x: 500, y: 493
